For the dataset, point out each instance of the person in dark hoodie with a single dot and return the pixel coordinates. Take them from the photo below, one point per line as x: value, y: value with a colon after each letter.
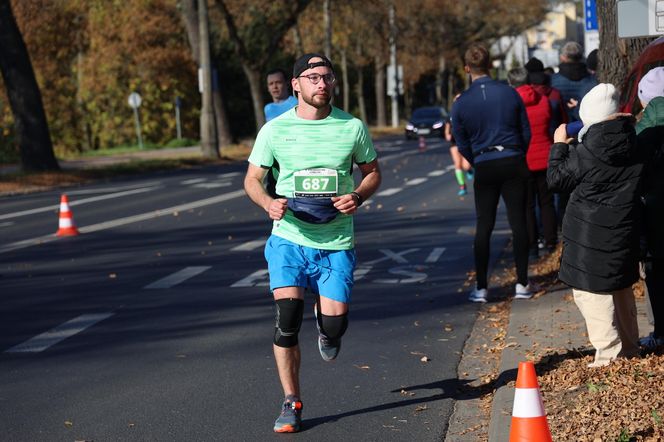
x: 650, y: 130
x: 600, y: 258
x: 490, y: 125
x: 538, y: 110
x: 573, y: 79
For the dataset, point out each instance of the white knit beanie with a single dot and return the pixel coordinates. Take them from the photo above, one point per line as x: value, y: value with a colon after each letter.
x: 598, y: 104
x: 652, y: 85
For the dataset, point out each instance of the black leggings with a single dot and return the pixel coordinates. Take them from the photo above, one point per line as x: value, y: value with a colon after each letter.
x: 655, y: 283
x: 506, y: 177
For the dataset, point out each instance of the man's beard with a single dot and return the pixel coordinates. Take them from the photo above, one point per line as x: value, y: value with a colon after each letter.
x: 318, y: 101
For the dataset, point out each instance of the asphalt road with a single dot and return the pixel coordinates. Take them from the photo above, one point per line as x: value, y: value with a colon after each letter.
x: 156, y: 322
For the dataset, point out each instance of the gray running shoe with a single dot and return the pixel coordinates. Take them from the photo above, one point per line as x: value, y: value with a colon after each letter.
x: 523, y: 291
x: 328, y: 348
x: 478, y: 295
x: 290, y: 419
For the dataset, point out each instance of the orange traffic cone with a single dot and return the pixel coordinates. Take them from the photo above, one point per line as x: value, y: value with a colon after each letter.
x: 423, y: 144
x: 528, y: 417
x: 66, y: 225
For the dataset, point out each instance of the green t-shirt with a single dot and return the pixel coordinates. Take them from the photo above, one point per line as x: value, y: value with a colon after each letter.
x: 297, y: 145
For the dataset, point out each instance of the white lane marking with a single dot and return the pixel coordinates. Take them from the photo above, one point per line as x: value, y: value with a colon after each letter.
x: 212, y: 185
x: 127, y: 220
x: 255, y: 279
x: 193, y: 181
x: 416, y: 181
x: 360, y: 272
x: 229, y: 174
x: 440, y: 172
x: 388, y: 192
x: 111, y: 189
x: 61, y: 332
x: 250, y: 245
x: 7, y: 224
x: 368, y: 202
x: 177, y: 277
x: 79, y: 202
x: 435, y: 254
x: 389, y: 254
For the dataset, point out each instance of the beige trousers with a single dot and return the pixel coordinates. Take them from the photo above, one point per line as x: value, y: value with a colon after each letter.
x: 611, y: 322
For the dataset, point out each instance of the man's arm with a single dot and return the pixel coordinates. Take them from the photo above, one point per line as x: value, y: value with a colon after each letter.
x: 253, y: 185
x: 460, y: 136
x: 562, y: 171
x: 371, y: 178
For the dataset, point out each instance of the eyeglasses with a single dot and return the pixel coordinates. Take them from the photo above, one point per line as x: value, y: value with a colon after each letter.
x: 315, y: 78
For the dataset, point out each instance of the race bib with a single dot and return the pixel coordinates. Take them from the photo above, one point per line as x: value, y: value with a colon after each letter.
x: 316, y: 183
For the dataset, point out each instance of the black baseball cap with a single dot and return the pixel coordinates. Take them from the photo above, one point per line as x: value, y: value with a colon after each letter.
x: 302, y: 63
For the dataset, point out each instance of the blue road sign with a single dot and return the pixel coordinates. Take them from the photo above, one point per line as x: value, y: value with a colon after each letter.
x: 590, y: 12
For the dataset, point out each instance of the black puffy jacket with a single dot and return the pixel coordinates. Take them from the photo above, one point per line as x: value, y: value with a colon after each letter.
x: 603, y: 215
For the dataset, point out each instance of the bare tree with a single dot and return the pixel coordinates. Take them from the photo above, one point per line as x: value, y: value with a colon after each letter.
x: 616, y: 55
x: 25, y: 99
x: 255, y: 42
x: 189, y: 11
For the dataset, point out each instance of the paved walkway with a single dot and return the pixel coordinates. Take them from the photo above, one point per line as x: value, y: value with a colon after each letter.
x: 91, y: 162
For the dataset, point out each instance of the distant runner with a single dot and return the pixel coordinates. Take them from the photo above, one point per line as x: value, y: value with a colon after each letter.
x: 312, y: 242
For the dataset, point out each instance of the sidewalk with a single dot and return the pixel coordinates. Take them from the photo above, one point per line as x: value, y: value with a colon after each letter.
x: 550, y: 322
x: 91, y: 162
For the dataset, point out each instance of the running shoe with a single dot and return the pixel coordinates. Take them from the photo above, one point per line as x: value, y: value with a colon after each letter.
x: 462, y: 191
x: 523, y: 291
x: 328, y: 348
x: 478, y: 295
x: 651, y: 342
x: 290, y: 419
x: 470, y: 174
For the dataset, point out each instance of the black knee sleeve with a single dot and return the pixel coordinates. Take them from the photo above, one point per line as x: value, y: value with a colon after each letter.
x: 333, y: 327
x: 289, y: 320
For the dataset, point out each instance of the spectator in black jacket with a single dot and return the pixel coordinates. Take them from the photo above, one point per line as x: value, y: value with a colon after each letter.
x: 601, y: 227
x: 650, y: 132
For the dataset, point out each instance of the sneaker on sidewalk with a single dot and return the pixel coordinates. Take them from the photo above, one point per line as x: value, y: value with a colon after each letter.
x: 651, y: 342
x: 478, y: 295
x: 290, y: 419
x: 462, y: 191
x: 470, y: 174
x: 328, y: 348
x: 523, y: 291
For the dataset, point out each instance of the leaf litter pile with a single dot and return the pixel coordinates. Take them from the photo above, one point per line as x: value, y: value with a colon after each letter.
x: 622, y: 402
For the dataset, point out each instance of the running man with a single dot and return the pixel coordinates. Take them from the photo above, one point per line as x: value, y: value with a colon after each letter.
x: 312, y: 242
x: 461, y: 164
x: 277, y: 86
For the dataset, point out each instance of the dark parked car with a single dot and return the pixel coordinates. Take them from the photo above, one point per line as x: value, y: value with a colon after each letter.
x: 652, y: 56
x: 427, y: 121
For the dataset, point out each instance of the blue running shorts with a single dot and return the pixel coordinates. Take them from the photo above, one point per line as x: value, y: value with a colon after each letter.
x: 328, y: 273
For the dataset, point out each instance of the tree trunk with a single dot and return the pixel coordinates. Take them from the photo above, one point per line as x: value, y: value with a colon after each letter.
x: 256, y: 88
x: 344, y: 80
x: 225, y: 138
x: 359, y: 91
x: 297, y: 39
x: 209, y: 143
x: 328, y: 28
x: 190, y: 18
x: 32, y: 132
x: 616, y: 55
x: 379, y: 85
